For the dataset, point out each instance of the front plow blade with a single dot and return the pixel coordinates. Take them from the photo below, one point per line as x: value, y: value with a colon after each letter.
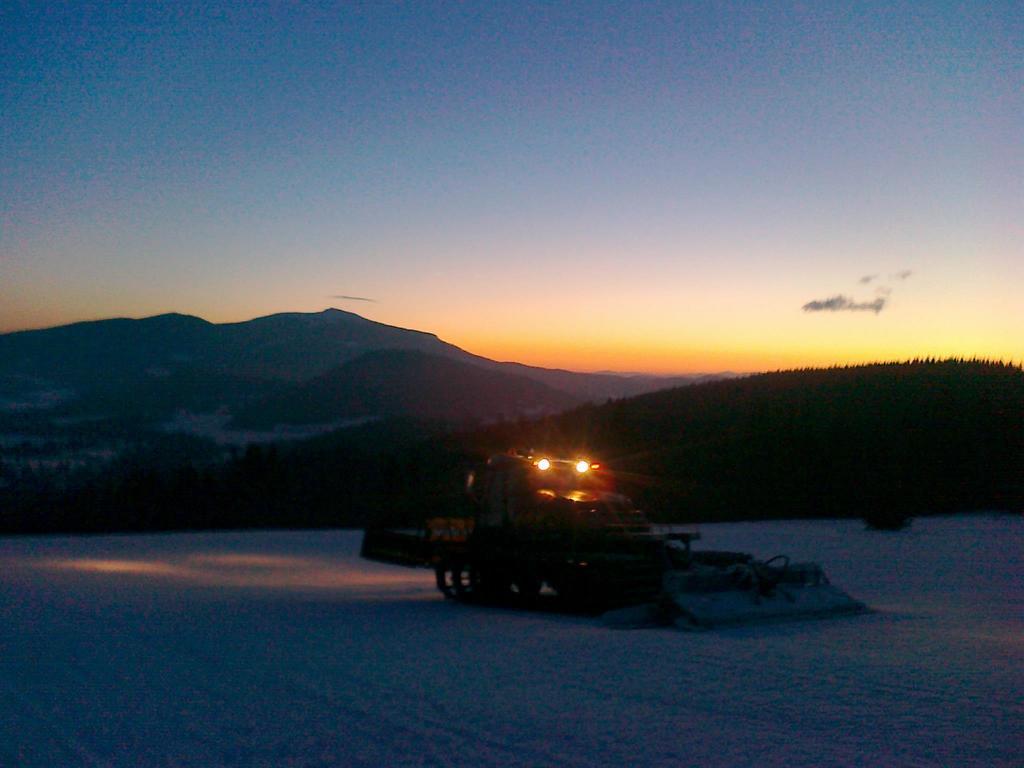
x: 702, y: 600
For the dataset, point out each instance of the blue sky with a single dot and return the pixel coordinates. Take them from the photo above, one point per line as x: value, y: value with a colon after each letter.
x: 660, y: 186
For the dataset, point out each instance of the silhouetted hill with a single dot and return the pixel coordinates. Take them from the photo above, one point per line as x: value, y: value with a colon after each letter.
x: 291, y: 346
x: 149, y: 368
x: 405, y: 383
x: 909, y: 438
x: 90, y: 353
x: 297, y: 346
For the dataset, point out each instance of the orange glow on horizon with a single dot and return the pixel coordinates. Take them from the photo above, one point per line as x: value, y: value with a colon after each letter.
x: 661, y: 361
x: 747, y: 347
x: 723, y: 334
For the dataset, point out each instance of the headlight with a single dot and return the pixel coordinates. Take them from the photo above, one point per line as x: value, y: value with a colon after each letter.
x: 543, y: 464
x: 582, y: 466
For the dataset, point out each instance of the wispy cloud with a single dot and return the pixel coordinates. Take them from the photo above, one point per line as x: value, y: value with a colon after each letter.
x: 840, y: 303
x: 353, y: 298
x: 843, y: 303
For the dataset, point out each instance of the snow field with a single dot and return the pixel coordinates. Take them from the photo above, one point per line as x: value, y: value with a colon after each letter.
x: 286, y: 649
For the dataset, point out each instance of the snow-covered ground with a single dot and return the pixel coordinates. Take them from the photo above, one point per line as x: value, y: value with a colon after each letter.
x: 285, y: 649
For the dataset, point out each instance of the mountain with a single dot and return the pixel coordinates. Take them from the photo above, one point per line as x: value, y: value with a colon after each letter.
x: 289, y: 346
x: 150, y: 368
x: 393, y: 382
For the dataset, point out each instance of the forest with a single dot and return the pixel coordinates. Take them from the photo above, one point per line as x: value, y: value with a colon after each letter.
x: 884, y: 442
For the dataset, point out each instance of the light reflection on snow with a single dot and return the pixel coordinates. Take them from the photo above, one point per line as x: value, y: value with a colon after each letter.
x: 114, y: 566
x: 251, y: 561
x: 248, y: 570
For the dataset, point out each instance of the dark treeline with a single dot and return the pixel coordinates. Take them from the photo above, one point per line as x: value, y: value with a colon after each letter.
x: 884, y: 442
x: 395, y: 473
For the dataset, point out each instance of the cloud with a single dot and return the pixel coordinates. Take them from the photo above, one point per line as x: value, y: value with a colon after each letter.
x: 840, y: 303
x: 353, y: 298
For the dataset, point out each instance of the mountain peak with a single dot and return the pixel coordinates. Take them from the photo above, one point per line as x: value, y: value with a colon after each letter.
x: 174, y: 318
x: 331, y: 315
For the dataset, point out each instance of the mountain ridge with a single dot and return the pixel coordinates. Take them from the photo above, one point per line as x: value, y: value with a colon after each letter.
x: 150, y: 368
x: 398, y: 382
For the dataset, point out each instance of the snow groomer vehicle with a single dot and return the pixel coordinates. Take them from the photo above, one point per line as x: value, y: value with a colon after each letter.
x: 554, y: 532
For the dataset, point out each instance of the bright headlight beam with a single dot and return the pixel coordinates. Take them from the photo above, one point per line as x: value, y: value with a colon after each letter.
x: 582, y: 466
x: 543, y: 464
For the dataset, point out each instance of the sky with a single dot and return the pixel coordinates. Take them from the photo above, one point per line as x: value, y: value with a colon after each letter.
x: 662, y: 187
